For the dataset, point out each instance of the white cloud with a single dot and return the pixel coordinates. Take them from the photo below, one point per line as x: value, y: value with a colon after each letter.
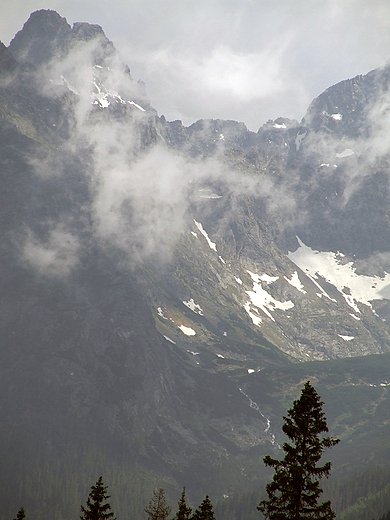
x: 55, y: 256
x: 248, y: 61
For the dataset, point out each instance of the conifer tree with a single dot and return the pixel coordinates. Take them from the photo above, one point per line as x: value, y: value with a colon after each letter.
x: 158, y: 508
x: 205, y: 511
x: 184, y: 512
x: 96, y: 508
x: 21, y: 514
x: 294, y: 491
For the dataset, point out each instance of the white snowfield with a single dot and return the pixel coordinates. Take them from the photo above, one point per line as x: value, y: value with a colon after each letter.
x: 354, y: 288
x: 261, y: 299
x: 186, y: 330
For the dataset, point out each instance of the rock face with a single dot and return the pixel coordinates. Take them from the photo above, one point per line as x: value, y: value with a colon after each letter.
x: 147, y: 268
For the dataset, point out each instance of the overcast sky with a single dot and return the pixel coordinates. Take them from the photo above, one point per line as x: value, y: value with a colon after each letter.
x: 248, y: 60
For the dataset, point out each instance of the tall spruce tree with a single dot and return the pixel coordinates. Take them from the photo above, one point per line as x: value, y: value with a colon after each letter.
x: 184, y: 512
x: 96, y: 508
x: 294, y: 491
x: 158, y: 508
x: 205, y: 511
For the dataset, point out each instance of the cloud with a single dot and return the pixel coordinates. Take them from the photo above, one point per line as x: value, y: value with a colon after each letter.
x: 55, y: 256
x: 140, y: 205
x: 299, y: 47
x: 141, y: 191
x: 221, y: 84
x: 141, y: 195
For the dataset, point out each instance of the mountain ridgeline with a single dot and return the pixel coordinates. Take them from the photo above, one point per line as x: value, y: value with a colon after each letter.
x: 166, y: 289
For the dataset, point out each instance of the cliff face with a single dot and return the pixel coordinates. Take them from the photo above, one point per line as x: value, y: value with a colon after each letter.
x: 149, y: 269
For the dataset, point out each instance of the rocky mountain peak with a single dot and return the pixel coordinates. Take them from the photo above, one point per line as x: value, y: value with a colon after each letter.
x: 86, y: 31
x: 46, y: 36
x: 43, y: 35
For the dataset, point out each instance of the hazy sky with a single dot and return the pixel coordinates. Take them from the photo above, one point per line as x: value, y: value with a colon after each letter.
x: 248, y: 60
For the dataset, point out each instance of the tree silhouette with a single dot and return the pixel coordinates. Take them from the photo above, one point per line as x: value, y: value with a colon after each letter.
x: 294, y: 491
x: 158, y: 508
x: 184, y: 512
x: 205, y: 511
x: 96, y: 508
x: 21, y: 514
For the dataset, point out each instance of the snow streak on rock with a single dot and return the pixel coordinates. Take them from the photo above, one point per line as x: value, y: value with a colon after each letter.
x: 212, y: 245
x: 169, y: 339
x: 255, y: 406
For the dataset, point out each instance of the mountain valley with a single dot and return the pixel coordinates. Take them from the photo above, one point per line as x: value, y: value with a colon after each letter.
x: 167, y: 290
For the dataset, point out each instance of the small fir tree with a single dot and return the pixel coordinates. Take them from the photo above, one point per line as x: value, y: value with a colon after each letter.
x: 205, y: 511
x: 294, y: 491
x: 184, y: 512
x: 158, y: 508
x: 97, y: 507
x: 21, y: 514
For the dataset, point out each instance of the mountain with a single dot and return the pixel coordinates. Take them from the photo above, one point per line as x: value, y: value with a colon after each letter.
x: 166, y: 290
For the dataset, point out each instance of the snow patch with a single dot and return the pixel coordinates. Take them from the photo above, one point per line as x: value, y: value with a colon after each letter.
x: 194, y: 306
x: 261, y: 299
x: 295, y: 282
x: 212, y: 245
x: 186, y: 330
x: 276, y: 125
x: 250, y: 370
x: 336, y: 117
x: 266, y: 278
x: 361, y: 288
x: 238, y: 280
x: 161, y: 313
x: 256, y: 319
x: 346, y: 338
x: 195, y: 234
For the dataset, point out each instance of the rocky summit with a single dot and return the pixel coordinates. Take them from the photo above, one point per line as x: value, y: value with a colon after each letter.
x: 160, y: 283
